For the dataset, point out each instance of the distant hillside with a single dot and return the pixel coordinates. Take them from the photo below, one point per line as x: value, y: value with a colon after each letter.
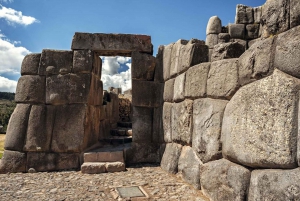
x: 7, y: 106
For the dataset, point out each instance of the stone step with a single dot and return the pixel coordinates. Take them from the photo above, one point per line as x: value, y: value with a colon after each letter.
x: 116, y: 140
x: 125, y: 124
x: 104, y: 156
x: 120, y: 131
x: 100, y: 167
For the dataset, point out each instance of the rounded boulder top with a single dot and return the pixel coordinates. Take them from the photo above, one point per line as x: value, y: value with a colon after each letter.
x: 214, y: 25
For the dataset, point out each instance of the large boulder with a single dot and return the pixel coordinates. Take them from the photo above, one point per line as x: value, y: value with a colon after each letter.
x: 294, y: 13
x: 260, y: 123
x: 142, y: 124
x: 227, y: 51
x: 179, y: 88
x: 244, y: 14
x: 13, y: 161
x: 143, y: 66
x: 211, y: 40
x: 169, y: 161
x: 175, y: 56
x: 189, y: 166
x: 207, y: 122
x: 30, y: 64
x: 214, y: 25
x: 167, y: 61
x: 169, y: 90
x: 275, y: 185
x: 224, y: 180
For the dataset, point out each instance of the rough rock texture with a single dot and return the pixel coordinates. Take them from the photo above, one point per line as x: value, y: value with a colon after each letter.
x: 167, y: 122
x: 115, y: 167
x: 207, y: 122
x: 260, y: 123
x: 123, y: 44
x: 224, y: 180
x: 257, y: 12
x: 175, y: 56
x: 195, y: 81
x: 211, y: 40
x: 275, y: 185
x: 179, y: 86
x: 182, y: 115
x: 83, y: 61
x: 169, y: 90
x: 236, y: 31
x: 294, y: 13
x: 252, y: 31
x: 244, y: 14
x: 16, y: 130
x: 222, y: 81
x: 189, y: 166
x: 57, y: 90
x: 223, y: 37
x: 56, y: 62
x: 104, y: 156
x: 13, y: 161
x: 214, y: 25
x: 169, y: 161
x: 287, y: 52
x: 227, y: 51
x: 142, y: 124
x: 275, y: 17
x: 255, y: 63
x: 143, y: 153
x: 30, y: 64
x: 143, y: 65
x: 93, y: 168
x: 159, y: 67
x: 30, y: 89
x: 167, y: 61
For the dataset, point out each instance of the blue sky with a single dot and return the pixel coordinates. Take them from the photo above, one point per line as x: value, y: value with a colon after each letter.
x: 32, y: 25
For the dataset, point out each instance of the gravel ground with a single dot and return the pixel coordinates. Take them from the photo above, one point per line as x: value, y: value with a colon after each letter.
x: 73, y: 185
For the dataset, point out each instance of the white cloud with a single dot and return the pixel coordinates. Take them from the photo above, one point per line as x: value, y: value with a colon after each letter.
x: 7, y: 85
x: 7, y: 1
x: 110, y: 75
x: 15, y: 17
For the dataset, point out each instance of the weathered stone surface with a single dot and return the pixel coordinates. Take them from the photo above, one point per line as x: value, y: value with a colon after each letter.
x: 30, y: 89
x: 40, y: 126
x: 195, y: 81
x: 93, y: 168
x: 95, y: 96
x: 242, y: 42
x: 57, y: 89
x: 192, y: 54
x: 143, y: 66
x: 227, y: 51
x: 167, y: 61
x: 143, y: 153
x: 175, y: 56
x: 13, y: 161
x: 214, y: 25
x: 104, y: 156
x: 275, y: 17
x: 257, y: 12
x: 260, y: 123
x: 159, y: 66
x: 255, y: 63
x: 207, y: 122
x: 104, y: 129
x: 17, y: 127
x: 169, y: 90
x: 167, y: 123
x: 196, y: 41
x: 294, y: 13
x: 112, y: 44
x: 182, y: 114
x: 97, y: 65
x: 30, y: 64
x: 83, y: 61
x: 287, y: 52
x: 252, y: 31
x: 244, y: 14
x: 142, y: 124
x: 224, y: 180
x: 56, y: 62
x: 179, y: 86
x: 67, y: 161
x: 236, y: 31
x: 275, y: 185
x: 222, y: 81
x: 170, y: 158
x: 223, y: 37
x: 189, y: 166
x: 147, y: 94
x: 115, y: 167
x: 157, y: 130
x: 251, y: 42
x: 68, y: 129
x: 79, y: 88
x: 211, y: 40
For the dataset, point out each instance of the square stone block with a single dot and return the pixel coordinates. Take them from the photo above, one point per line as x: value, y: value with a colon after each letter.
x: 175, y: 56
x: 244, y: 14
x: 79, y: 88
x: 170, y: 158
x: 57, y: 90
x: 30, y: 64
x: 167, y: 61
x: 115, y: 167
x: 179, y: 87
x: 142, y: 124
x: 252, y: 31
x: 237, y: 31
x: 211, y: 40
x: 143, y: 66
x: 169, y: 90
x: 93, y: 168
x: 12, y: 162
x: 83, y: 61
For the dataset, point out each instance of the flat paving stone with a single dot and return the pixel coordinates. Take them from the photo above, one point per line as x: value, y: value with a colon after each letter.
x: 73, y: 185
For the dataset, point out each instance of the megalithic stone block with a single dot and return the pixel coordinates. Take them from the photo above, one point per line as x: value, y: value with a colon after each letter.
x: 195, y: 81
x: 57, y: 90
x: 30, y: 89
x: 237, y: 31
x: 55, y: 62
x: 17, y: 127
x: 70, y: 138
x: 257, y: 12
x: 167, y: 121
x: 252, y: 31
x: 95, y: 96
x: 143, y: 66
x: 211, y: 40
x: 169, y: 161
x: 175, y: 56
x: 12, y: 162
x: 157, y: 131
x: 83, y: 61
x: 147, y: 94
x: 179, y: 87
x: 169, y: 90
x: 244, y: 14
x: 214, y: 25
x: 223, y: 37
x: 227, y: 51
x: 30, y: 64
x: 97, y: 65
x: 294, y: 13
x: 40, y: 126
x: 143, y: 153
x: 112, y: 44
x: 159, y: 71
x: 79, y: 87
x: 167, y: 61
x: 142, y: 124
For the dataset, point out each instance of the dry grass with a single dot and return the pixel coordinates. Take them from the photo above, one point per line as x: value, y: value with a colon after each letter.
x: 2, y: 138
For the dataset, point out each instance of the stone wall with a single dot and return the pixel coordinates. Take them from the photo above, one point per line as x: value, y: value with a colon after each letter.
x: 231, y: 124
